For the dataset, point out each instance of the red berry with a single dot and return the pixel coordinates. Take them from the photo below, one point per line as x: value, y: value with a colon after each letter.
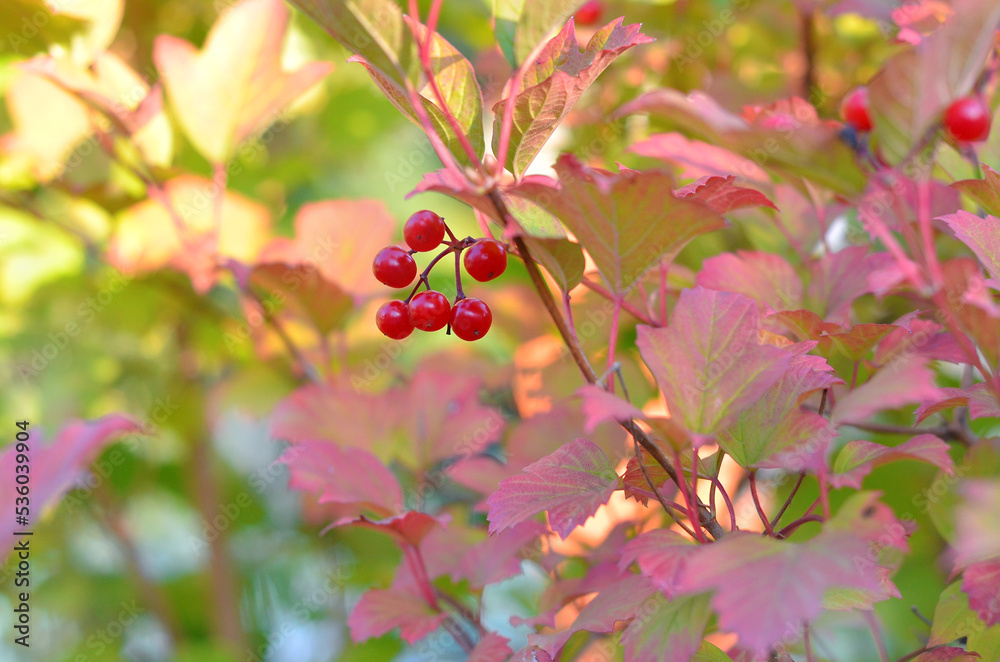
x: 968, y: 119
x: 424, y: 231
x: 486, y: 259
x: 429, y: 311
x: 394, y: 267
x: 471, y: 319
x: 854, y: 109
x: 393, y: 319
x: 589, y: 13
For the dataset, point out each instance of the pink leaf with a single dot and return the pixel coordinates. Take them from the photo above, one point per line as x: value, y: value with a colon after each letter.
x: 840, y: 278
x: 626, y: 221
x: 499, y: 556
x: 698, y: 159
x: 300, y: 293
x: 981, y: 581
x: 661, y: 555
x: 343, y: 475
x: 977, y: 523
x: 766, y: 277
x: 722, y: 195
x: 531, y: 654
x: 857, y: 459
x: 235, y: 85
x: 981, y: 235
x: 382, y: 610
x: 571, y: 484
x: 891, y: 387
x: 709, y: 362
x: 491, y: 648
x: 667, y: 631
x: 763, y: 586
x: 856, y: 343
x: 979, y: 398
x: 410, y: 528
x: 553, y: 84
x: 619, y: 602
x: 600, y: 406
x: 985, y: 191
x: 56, y: 467
x: 775, y: 422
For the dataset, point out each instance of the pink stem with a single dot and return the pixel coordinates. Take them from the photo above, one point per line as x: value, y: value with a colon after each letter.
x: 425, y: 63
x: 683, y: 484
x: 756, y: 503
x: 927, y: 232
x: 416, y: 563
x: 613, y: 340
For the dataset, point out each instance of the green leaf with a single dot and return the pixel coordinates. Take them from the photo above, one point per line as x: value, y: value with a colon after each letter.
x: 562, y: 258
x: 554, y: 83
x: 954, y: 619
x: 627, y: 221
x: 520, y: 25
x: 916, y: 86
x: 668, y: 631
x: 381, y: 38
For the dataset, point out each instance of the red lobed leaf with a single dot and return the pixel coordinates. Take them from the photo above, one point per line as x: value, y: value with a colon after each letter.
x: 409, y: 528
x: 722, y: 195
x: 553, y: 84
x: 491, y: 648
x: 499, y: 556
x: 343, y: 475
x: 981, y: 235
x: 571, y: 484
x: 762, y: 586
x: 56, y: 467
x: 667, y: 631
x: 382, y: 610
x: 890, y: 387
x: 840, y: 278
x: 766, y: 277
x: 600, y: 406
x: 661, y: 555
x: 626, y: 221
x: 618, y: 602
x: 985, y: 191
x: 981, y: 581
x: 708, y: 362
x: 857, y: 459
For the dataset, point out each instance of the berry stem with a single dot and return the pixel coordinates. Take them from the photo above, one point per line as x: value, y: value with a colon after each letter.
x: 459, y: 294
x: 422, y: 279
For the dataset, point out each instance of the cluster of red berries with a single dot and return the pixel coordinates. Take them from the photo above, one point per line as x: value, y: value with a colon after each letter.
x: 469, y: 319
x: 965, y: 120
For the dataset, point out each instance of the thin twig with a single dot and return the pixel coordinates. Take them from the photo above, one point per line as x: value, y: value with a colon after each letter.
x: 788, y: 501
x: 756, y: 502
x: 538, y: 281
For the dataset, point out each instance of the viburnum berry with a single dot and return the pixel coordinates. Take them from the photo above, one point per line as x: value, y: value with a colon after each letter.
x: 424, y: 231
x: 968, y: 119
x: 393, y: 319
x: 471, y: 319
x: 854, y: 109
x: 589, y: 13
x: 486, y: 259
x: 394, y: 267
x: 429, y: 311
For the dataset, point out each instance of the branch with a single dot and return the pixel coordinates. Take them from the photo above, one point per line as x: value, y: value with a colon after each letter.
x: 638, y: 434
